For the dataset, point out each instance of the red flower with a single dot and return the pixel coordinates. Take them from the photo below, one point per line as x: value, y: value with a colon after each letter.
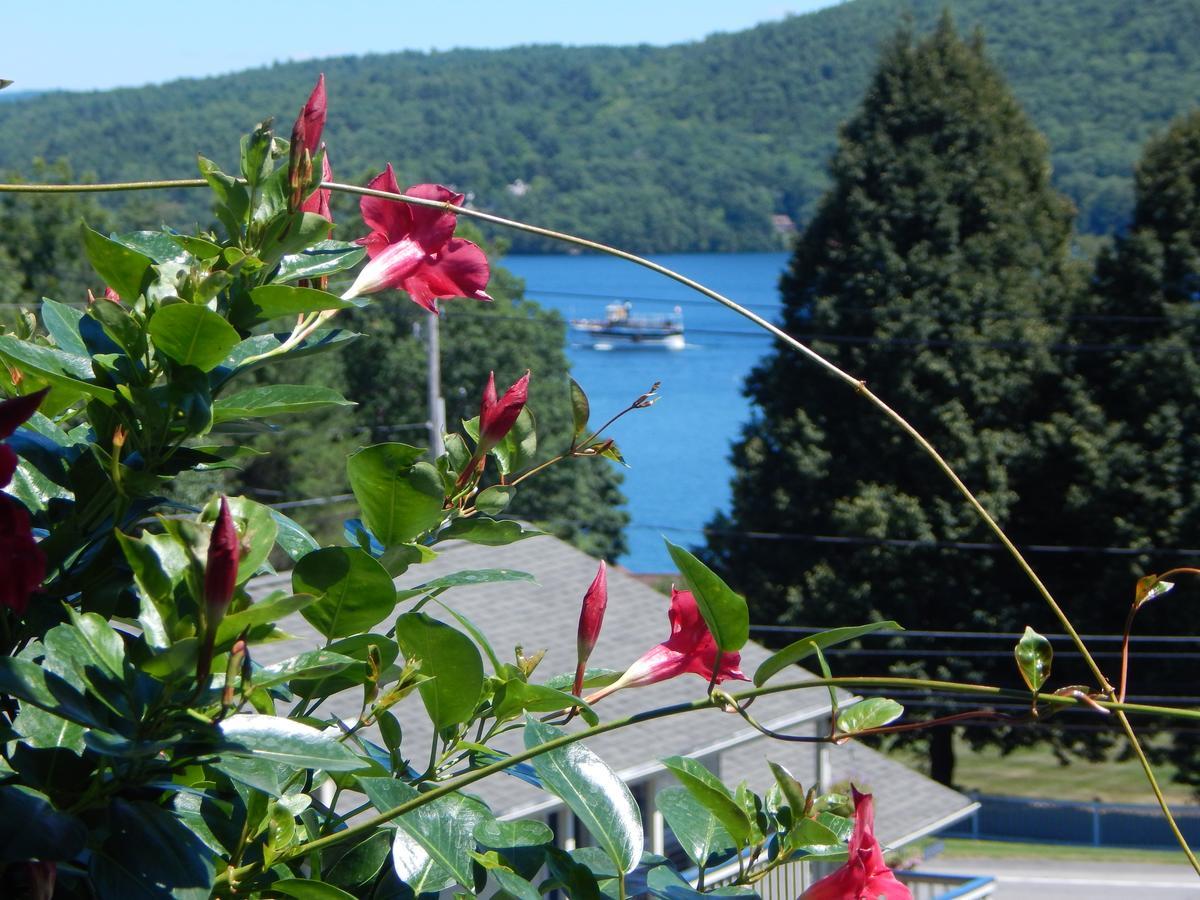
x: 21, y: 559
x: 864, y: 876
x: 690, y: 648
x: 497, y: 417
x: 591, y: 616
x: 220, y: 572
x: 414, y: 248
x: 13, y: 413
x: 306, y: 135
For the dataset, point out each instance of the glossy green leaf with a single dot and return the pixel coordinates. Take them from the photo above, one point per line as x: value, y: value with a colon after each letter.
x: 517, y: 697
x: 308, y: 889
x: 698, y: 831
x: 310, y: 664
x: 451, y: 661
x: 362, y: 862
x: 192, y: 335
x: 521, y: 843
x: 159, y: 246
x: 400, y: 497
x: 710, y: 793
x: 580, y: 408
x: 34, y: 684
x: 874, y: 712
x: 1034, y: 655
x: 62, y: 324
x: 492, y: 500
x: 283, y: 740
x: 256, y: 528
x: 60, y: 369
x: 475, y: 632
x: 276, y: 400
x: 123, y: 269
x: 811, y: 836
x: 416, y: 868
x: 807, y: 646
x: 489, y: 532
x: 468, y: 577
x: 31, y: 828
x: 573, y: 879
x: 443, y: 827
x: 592, y: 791
x: 148, y: 853
x: 519, y: 446
x: 1149, y: 588
x: 662, y: 881
x: 792, y: 790
x: 45, y: 731
x: 724, y: 611
x: 262, y: 612
x: 357, y: 648
x: 292, y: 537
x: 353, y: 590
x: 321, y: 259
x: 271, y: 301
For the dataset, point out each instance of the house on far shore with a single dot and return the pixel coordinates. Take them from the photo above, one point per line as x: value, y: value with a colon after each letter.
x: 544, y: 615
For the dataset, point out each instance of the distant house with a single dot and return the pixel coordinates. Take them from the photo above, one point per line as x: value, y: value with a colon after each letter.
x: 544, y: 616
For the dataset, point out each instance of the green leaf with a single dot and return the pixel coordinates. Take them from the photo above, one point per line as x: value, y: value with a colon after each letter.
x: 521, y: 843
x: 276, y: 400
x: 357, y: 648
x: 695, y: 827
x: 592, y: 791
x: 31, y: 828
x: 1149, y: 588
x: 489, y: 532
x: 62, y: 324
x: 272, y: 301
x: 492, y: 500
x: 805, y: 647
x: 475, y: 632
x: 662, y: 881
x: 724, y: 611
x: 519, y: 446
x: 257, y: 534
x: 123, y: 269
x: 192, y: 335
x: 311, y: 664
x: 283, y: 740
x: 159, y: 246
x: 451, y: 660
x: 710, y: 793
x: 308, y: 889
x: 321, y: 259
x: 416, y: 868
x: 814, y: 837
x: 468, y: 577
x: 33, y: 684
x: 292, y: 538
x: 580, y: 408
x: 400, y: 498
x: 792, y: 790
x: 46, y: 731
x: 353, y: 590
x: 874, y: 712
x: 262, y: 612
x: 1034, y: 655
x: 443, y: 827
x: 362, y: 862
x: 60, y: 369
x: 518, y: 696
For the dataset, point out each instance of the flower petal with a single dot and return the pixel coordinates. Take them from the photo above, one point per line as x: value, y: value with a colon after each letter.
x: 17, y: 410
x: 432, y: 227
x: 461, y: 270
x: 313, y: 116
x: 390, y: 217
x: 21, y: 559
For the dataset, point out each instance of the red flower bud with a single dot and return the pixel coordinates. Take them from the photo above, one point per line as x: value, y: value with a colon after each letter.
x: 21, y: 559
x: 220, y: 572
x: 864, y: 874
x: 496, y: 417
x: 591, y: 617
x: 13, y: 413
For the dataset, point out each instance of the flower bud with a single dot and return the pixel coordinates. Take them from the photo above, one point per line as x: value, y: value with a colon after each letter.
x: 591, y: 617
x: 220, y: 572
x: 497, y: 417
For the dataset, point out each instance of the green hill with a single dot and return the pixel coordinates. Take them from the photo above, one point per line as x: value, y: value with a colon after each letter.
x: 689, y: 147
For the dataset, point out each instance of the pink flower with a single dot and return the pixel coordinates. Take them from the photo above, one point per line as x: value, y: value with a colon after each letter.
x: 690, y: 648
x: 497, y: 417
x: 414, y: 248
x: 306, y: 136
x: 591, y: 616
x: 220, y: 571
x: 864, y: 876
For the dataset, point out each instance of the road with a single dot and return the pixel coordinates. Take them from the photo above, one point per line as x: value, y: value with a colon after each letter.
x: 1024, y: 879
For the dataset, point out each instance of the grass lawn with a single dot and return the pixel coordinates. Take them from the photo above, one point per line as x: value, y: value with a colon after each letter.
x: 955, y: 848
x: 1035, y: 772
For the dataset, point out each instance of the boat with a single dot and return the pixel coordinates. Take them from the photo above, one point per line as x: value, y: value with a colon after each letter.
x: 620, y: 328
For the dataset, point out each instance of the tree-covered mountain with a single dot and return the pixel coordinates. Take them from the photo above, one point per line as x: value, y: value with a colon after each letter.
x: 694, y: 146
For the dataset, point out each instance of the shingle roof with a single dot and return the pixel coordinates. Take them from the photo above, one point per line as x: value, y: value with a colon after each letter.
x: 544, y: 616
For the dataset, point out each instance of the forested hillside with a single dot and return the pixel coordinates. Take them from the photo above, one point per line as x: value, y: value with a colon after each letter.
x: 691, y: 147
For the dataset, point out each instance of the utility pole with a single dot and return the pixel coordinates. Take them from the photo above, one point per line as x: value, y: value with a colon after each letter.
x: 437, y: 404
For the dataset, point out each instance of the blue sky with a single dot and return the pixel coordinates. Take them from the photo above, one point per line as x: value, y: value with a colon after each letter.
x: 85, y: 44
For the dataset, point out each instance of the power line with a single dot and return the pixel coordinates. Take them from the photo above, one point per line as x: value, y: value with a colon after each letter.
x: 990, y: 635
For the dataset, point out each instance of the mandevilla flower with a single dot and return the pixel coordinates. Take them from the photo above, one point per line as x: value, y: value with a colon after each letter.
x: 21, y: 559
x: 591, y: 617
x: 864, y: 876
x: 497, y: 417
x: 414, y: 248
x: 690, y: 648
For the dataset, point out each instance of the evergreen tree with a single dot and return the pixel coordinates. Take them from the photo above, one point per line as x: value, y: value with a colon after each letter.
x: 1139, y: 359
x: 937, y: 268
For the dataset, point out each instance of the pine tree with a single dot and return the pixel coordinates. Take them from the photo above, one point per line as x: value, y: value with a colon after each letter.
x: 937, y: 268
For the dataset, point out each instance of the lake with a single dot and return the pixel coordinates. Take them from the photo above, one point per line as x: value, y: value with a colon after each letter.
x: 677, y: 450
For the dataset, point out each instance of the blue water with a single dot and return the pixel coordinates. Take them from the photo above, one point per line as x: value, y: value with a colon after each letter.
x: 677, y: 450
